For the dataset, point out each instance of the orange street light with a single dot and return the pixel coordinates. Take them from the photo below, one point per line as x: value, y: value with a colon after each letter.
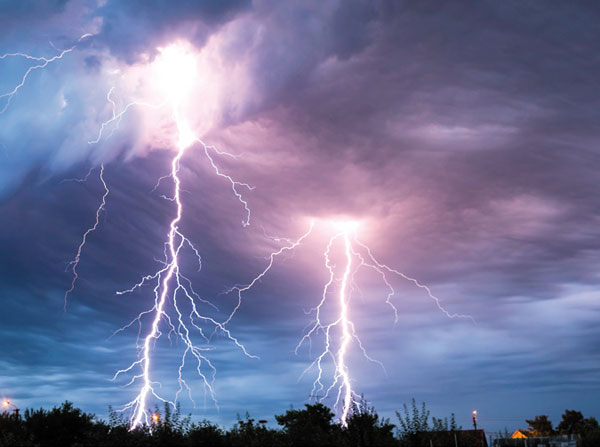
x: 155, y: 418
x: 475, y: 419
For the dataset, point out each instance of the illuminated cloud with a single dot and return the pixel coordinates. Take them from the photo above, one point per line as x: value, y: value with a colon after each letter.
x: 464, y: 134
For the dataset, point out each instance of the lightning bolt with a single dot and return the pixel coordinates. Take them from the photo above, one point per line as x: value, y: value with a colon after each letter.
x: 177, y: 307
x: 75, y: 262
x: 171, y: 288
x: 346, y: 338
x: 114, y: 121
x: 170, y: 285
x: 41, y: 63
x: 341, y: 377
x: 339, y: 334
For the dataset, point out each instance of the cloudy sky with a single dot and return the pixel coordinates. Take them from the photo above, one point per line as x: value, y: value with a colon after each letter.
x: 462, y: 136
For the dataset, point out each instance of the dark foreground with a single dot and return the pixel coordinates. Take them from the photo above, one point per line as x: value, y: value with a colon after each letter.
x: 312, y: 426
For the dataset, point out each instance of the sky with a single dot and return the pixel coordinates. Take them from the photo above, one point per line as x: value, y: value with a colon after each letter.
x: 463, y: 137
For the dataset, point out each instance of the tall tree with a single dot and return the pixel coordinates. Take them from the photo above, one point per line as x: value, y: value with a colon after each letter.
x: 571, y: 423
x: 312, y: 426
x: 365, y: 427
x: 416, y: 420
x: 540, y: 425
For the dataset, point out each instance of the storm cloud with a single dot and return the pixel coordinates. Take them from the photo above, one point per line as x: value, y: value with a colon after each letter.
x: 465, y: 135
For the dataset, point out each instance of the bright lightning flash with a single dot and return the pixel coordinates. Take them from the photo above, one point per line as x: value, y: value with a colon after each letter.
x: 340, y: 334
x: 175, y: 72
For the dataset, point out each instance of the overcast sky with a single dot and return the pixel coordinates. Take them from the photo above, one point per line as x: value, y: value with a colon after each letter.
x: 463, y: 136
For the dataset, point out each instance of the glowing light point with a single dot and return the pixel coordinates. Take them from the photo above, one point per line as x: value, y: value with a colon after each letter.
x: 475, y: 419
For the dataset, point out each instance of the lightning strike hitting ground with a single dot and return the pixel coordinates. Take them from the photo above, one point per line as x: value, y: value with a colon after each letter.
x: 170, y: 285
x: 339, y: 334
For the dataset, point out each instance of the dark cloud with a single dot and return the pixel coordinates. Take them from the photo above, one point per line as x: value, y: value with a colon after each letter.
x: 465, y: 134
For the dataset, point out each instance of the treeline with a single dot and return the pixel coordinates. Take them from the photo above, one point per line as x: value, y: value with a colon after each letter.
x: 572, y: 422
x: 586, y: 430
x: 312, y: 426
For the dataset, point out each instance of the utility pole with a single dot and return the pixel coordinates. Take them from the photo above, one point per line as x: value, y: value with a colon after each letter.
x: 475, y: 419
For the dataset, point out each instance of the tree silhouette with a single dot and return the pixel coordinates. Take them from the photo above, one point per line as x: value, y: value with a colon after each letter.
x: 245, y: 433
x: 312, y: 426
x: 64, y: 425
x: 572, y: 422
x: 365, y: 428
x: 540, y: 425
x: 411, y: 423
x: 440, y: 424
